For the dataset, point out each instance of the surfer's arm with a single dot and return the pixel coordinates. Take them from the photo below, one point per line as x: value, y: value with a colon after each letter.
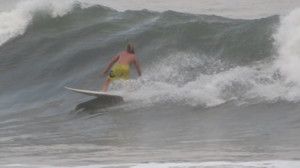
x: 138, y: 67
x: 112, y: 62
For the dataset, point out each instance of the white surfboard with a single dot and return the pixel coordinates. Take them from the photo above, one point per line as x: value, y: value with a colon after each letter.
x: 95, y: 93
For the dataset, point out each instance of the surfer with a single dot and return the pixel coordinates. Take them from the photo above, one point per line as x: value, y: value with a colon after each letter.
x: 119, y: 66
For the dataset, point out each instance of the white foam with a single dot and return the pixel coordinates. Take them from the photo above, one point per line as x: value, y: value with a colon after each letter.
x: 14, y: 22
x: 288, y: 43
x: 167, y: 82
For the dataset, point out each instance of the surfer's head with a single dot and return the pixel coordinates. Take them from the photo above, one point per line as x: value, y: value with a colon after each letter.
x: 130, y: 48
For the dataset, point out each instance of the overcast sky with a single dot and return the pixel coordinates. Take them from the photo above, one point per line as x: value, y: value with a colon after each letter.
x: 228, y: 8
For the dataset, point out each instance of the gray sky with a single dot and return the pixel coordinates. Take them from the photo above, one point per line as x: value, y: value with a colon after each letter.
x: 7, y: 4
x: 227, y: 8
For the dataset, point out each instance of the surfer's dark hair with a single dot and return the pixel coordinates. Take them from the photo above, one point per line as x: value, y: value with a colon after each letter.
x: 130, y: 48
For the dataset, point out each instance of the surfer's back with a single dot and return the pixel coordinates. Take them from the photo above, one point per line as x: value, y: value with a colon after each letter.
x: 126, y: 58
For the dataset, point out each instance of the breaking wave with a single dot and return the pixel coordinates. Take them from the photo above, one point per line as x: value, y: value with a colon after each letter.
x: 193, y: 59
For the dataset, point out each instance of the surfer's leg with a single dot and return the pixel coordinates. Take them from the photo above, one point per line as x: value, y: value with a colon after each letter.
x: 105, y: 85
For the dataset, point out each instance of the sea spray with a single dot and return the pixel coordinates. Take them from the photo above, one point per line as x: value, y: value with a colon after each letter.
x: 288, y: 43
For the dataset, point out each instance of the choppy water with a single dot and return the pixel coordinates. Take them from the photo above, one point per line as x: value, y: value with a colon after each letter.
x: 215, y: 92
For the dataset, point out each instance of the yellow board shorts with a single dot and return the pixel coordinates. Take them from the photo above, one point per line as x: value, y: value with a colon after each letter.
x: 119, y: 71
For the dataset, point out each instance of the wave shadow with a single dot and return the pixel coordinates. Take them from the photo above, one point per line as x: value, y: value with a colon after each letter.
x: 94, y: 105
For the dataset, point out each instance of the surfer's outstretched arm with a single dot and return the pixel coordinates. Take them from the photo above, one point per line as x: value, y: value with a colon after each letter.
x: 138, y: 67
x: 112, y: 62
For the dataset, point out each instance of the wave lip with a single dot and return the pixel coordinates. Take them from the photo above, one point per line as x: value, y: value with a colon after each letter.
x: 15, y: 21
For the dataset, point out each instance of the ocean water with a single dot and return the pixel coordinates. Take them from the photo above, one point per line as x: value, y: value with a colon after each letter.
x: 219, y: 88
